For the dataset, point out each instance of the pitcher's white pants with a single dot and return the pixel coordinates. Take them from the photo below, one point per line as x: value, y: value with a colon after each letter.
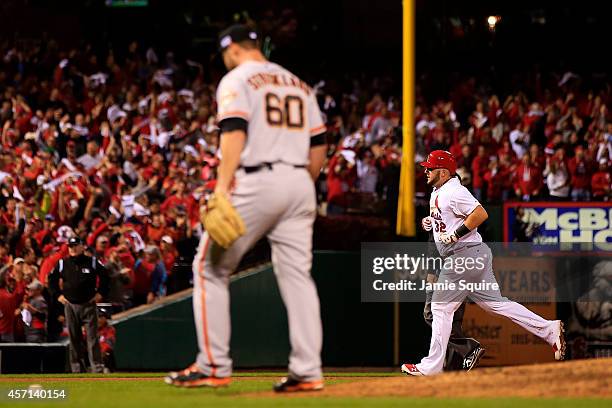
x: 279, y: 203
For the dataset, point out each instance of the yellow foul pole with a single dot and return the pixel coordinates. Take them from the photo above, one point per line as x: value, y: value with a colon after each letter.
x: 405, y: 209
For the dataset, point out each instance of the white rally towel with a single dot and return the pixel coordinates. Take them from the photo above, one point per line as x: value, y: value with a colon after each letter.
x: 17, y: 194
x: 52, y: 185
x: 26, y: 316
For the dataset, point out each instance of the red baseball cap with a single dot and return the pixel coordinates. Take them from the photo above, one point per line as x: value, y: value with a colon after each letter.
x: 441, y: 159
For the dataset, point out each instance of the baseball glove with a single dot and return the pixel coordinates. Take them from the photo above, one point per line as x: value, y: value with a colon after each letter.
x: 221, y: 220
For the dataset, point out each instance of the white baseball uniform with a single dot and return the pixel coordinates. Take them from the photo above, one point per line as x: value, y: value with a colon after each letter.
x: 277, y: 201
x: 450, y: 205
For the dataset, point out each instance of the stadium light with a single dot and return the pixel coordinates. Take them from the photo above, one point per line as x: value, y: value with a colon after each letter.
x: 492, y: 22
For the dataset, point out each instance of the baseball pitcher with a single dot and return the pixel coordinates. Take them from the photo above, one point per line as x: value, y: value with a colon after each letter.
x: 456, y: 215
x: 272, y: 148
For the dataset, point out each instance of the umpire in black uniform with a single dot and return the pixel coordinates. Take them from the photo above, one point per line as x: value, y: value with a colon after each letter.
x: 79, y: 282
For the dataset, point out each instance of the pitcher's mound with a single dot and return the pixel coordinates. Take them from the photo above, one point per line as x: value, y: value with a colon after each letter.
x: 580, y: 378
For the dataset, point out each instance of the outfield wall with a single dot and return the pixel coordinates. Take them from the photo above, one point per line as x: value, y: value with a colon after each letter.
x: 355, y: 333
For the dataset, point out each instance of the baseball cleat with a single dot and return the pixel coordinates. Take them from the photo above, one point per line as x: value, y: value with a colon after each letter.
x: 288, y: 384
x: 472, y: 359
x: 411, y: 369
x: 192, y: 377
x: 559, y: 344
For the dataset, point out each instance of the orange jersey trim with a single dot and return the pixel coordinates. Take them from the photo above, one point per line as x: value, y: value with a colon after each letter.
x: 204, y: 319
x: 233, y: 114
x: 318, y: 130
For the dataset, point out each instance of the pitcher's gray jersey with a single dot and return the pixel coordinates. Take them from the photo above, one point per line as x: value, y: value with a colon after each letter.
x: 276, y: 199
x: 281, y: 111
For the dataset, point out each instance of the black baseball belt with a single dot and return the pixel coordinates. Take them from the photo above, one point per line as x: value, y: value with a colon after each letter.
x: 269, y: 166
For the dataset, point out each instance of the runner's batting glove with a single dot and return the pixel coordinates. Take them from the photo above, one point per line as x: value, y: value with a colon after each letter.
x: 447, y: 238
x: 427, y: 223
x: 221, y: 220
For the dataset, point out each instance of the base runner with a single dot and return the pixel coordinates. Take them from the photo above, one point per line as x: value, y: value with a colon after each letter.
x: 462, y: 353
x: 456, y: 216
x: 272, y: 147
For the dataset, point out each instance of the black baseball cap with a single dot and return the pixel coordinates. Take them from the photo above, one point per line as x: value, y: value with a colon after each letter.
x: 74, y: 241
x: 235, y: 34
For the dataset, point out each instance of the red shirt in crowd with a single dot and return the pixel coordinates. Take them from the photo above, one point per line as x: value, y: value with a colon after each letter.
x: 456, y: 149
x: 49, y: 263
x: 580, y: 172
x: 479, y: 167
x: 107, y: 336
x: 155, y: 234
x: 186, y: 201
x: 528, y: 179
x: 496, y: 181
x: 8, y: 304
x: 98, y: 229
x: 169, y: 257
x: 8, y: 219
x: 41, y: 235
x: 600, y: 183
x: 9, y: 301
x: 334, y: 181
x: 142, y: 278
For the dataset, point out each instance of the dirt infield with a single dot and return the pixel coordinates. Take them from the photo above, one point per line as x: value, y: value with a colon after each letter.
x: 583, y: 378
x: 572, y: 379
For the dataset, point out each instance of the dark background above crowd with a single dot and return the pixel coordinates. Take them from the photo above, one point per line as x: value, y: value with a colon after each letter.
x: 531, y: 39
x: 308, y: 37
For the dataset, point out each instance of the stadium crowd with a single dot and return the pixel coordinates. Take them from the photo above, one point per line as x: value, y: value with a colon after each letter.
x: 115, y: 153
x: 554, y: 148
x: 121, y: 152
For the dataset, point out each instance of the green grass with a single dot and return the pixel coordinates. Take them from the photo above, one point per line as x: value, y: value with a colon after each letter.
x: 247, y: 374
x: 151, y: 394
